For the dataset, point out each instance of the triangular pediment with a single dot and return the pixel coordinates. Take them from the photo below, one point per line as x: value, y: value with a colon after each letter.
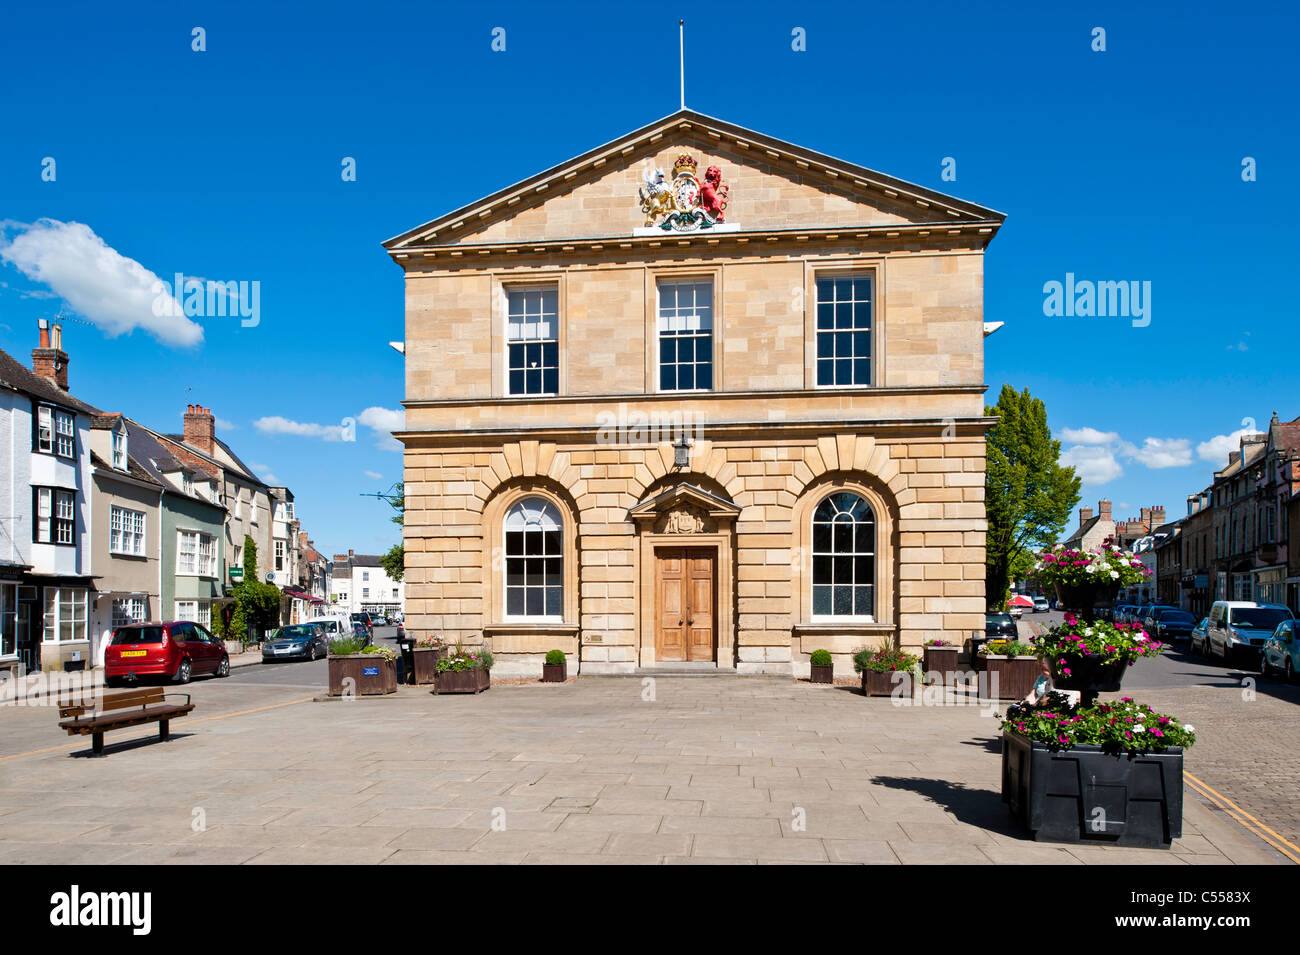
x: 771, y: 186
x: 680, y: 497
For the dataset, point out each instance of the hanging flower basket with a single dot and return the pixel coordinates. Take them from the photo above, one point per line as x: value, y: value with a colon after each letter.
x: 1081, y: 579
x: 1092, y: 656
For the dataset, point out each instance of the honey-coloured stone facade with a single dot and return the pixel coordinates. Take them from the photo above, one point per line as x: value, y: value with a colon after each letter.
x: 766, y: 444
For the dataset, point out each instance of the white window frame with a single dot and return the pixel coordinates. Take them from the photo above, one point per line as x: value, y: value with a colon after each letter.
x: 524, y: 514
x: 128, y: 610
x: 65, y: 435
x: 119, y: 450
x: 526, y: 326
x: 45, y: 429
x: 195, y: 554
x: 872, y: 301
x: 71, y: 614
x: 126, y: 533
x: 279, y: 556
x: 681, y: 321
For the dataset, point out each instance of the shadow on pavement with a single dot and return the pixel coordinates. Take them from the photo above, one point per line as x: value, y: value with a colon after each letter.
x: 110, y: 748
x: 975, y: 807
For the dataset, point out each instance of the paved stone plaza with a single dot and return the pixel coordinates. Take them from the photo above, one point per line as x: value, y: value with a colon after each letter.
x: 710, y: 770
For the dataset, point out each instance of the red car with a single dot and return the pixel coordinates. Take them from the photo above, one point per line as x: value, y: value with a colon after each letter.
x: 174, y: 650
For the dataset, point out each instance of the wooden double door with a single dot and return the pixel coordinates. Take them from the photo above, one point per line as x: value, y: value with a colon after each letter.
x: 685, y: 604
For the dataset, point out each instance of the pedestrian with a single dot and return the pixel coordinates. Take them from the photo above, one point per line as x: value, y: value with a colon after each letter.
x: 1042, y: 685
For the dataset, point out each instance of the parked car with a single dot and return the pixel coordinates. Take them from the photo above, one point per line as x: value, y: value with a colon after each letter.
x: 997, y: 626
x: 335, y: 626
x: 1199, y: 640
x: 1238, y: 629
x: 305, y: 641
x: 1040, y: 605
x: 173, y: 650
x: 378, y: 620
x: 1120, y: 613
x: 1169, y: 624
x: 364, y: 618
x: 1282, y: 651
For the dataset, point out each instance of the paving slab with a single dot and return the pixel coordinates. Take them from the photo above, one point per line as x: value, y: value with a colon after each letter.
x: 714, y: 771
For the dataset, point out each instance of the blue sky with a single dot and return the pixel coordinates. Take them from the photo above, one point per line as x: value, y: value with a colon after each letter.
x: 1117, y: 165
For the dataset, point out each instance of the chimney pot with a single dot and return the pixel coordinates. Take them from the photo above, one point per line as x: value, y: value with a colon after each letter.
x: 49, y: 360
x: 199, y: 428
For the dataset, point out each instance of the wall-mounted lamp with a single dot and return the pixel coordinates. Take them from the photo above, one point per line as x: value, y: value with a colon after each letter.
x: 682, y: 451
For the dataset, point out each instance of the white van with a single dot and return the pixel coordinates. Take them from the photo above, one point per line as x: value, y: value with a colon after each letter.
x: 1239, y: 628
x: 335, y: 626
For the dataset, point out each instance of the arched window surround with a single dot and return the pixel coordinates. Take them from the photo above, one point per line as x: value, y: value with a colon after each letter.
x: 884, y: 611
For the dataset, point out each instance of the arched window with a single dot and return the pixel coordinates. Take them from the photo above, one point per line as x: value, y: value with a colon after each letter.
x: 844, y: 557
x: 534, y: 560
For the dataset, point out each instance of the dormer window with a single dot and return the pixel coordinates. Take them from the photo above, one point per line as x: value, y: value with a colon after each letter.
x: 119, y: 450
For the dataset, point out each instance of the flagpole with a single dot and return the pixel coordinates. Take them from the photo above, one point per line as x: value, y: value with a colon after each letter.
x: 681, y: 55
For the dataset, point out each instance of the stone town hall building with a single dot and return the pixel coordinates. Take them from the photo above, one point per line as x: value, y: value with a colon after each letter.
x: 697, y: 397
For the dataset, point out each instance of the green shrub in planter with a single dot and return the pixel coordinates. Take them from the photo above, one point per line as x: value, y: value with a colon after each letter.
x: 820, y: 658
x: 555, y: 658
x: 346, y: 645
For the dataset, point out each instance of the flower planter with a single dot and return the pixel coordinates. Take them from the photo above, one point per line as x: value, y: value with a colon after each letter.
x: 1083, y: 794
x: 370, y: 673
x: 943, y: 661
x: 1083, y: 598
x: 426, y: 664
x: 555, y: 672
x: 823, y: 672
x: 463, y: 681
x: 1015, y: 676
x: 882, y: 684
x: 1088, y: 674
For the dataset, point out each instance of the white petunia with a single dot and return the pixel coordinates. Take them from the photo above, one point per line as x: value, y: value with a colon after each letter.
x: 1189, y: 727
x: 1139, y: 728
x: 1141, y: 637
x: 1114, y: 573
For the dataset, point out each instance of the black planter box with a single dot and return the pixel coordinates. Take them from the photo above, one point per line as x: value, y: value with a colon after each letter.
x: 1057, y: 795
x: 1087, y: 674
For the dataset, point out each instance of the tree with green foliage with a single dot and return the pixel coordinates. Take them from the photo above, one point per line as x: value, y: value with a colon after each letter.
x: 394, y: 562
x: 257, y: 604
x: 1028, y: 494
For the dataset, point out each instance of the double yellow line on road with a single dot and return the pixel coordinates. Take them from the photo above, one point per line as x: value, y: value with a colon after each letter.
x: 1249, y: 822
x: 188, y: 722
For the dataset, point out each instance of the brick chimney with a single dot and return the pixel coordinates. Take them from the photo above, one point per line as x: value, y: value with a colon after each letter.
x: 1085, y: 515
x: 1103, y: 508
x: 200, y: 428
x: 1146, y: 517
x: 1157, y: 516
x: 49, y: 360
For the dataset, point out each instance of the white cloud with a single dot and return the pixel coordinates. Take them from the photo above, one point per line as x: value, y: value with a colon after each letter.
x: 302, y: 429
x: 1215, y: 451
x: 264, y: 472
x: 225, y: 425
x: 384, y: 421
x: 1088, y: 436
x: 373, y: 475
x: 115, y: 293
x: 1095, y: 465
x: 1164, y: 452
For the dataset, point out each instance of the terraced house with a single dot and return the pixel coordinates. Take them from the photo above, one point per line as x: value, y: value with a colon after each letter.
x: 696, y: 398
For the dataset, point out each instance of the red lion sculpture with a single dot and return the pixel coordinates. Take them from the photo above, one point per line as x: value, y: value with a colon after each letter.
x: 713, y: 194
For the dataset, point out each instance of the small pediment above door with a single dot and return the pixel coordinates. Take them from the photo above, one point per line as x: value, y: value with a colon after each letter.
x: 684, y: 509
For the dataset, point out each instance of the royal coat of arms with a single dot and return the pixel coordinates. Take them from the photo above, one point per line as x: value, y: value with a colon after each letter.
x: 687, y: 203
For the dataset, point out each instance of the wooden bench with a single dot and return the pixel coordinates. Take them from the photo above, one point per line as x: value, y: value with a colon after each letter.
x: 120, y: 710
